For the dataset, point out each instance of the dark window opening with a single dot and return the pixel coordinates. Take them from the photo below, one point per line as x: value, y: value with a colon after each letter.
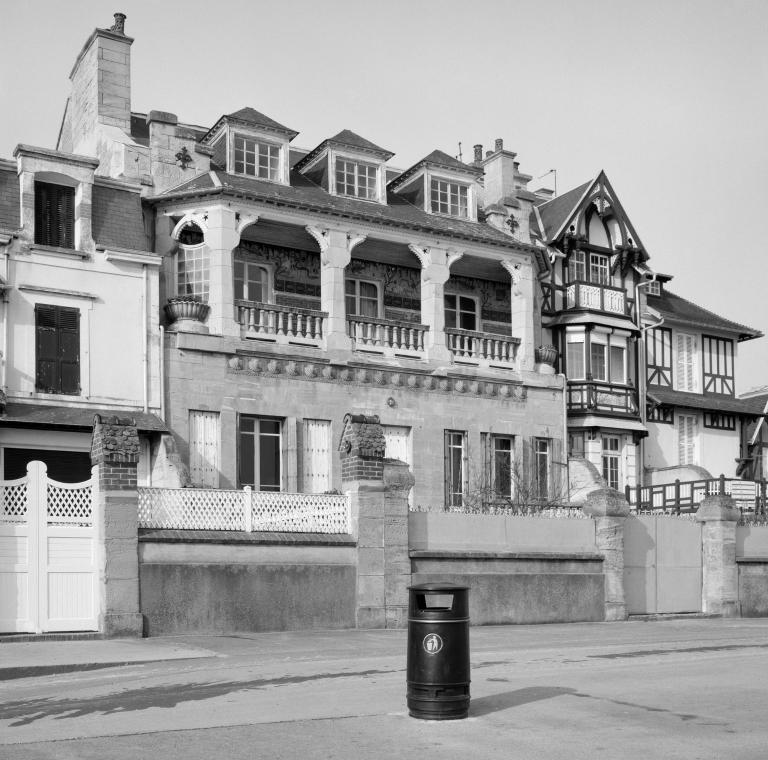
x: 64, y: 466
x: 54, y: 215
x: 57, y: 349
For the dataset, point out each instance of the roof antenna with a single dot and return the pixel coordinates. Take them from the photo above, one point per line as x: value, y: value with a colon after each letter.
x: 551, y: 171
x: 459, y: 156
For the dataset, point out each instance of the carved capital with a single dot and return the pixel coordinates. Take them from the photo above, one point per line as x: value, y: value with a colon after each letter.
x: 243, y: 220
x: 513, y: 270
x: 353, y: 239
x: 322, y: 235
x: 422, y: 253
x: 452, y: 256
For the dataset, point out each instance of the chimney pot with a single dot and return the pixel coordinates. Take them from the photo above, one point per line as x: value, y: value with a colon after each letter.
x: 499, y: 144
x: 488, y: 153
x: 119, y: 26
x: 478, y: 152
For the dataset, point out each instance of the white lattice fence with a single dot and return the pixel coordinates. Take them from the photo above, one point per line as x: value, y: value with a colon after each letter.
x: 208, y: 509
x: 14, y: 497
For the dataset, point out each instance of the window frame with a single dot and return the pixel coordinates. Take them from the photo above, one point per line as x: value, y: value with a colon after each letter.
x: 660, y: 338
x: 494, y: 474
x: 55, y: 214
x: 542, y: 452
x: 452, y: 497
x: 576, y: 339
x: 458, y: 311
x: 258, y: 419
x: 198, y: 287
x: 719, y: 421
x: 357, y: 298
x: 58, y: 316
x: 267, y: 287
x: 258, y: 143
x: 683, y: 458
x: 580, y: 451
x: 436, y: 206
x: 610, y: 458
x: 357, y: 165
x: 577, y: 266
x: 664, y: 415
x: 599, y: 263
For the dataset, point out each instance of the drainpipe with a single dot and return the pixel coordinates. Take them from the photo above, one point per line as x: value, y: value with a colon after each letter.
x: 162, y: 373
x: 565, y: 436
x: 641, y: 374
x: 145, y: 336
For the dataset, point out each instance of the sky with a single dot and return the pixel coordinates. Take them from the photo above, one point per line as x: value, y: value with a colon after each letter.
x: 669, y: 97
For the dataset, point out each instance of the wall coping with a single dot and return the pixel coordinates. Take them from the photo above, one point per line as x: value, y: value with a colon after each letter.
x: 464, y: 554
x: 167, y: 536
x: 752, y: 560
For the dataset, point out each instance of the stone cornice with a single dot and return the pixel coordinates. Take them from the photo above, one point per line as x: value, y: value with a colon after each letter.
x: 392, y: 379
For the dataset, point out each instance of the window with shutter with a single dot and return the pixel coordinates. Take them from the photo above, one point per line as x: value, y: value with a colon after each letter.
x: 686, y: 439
x: 54, y: 215
x: 259, y: 453
x: 57, y: 349
x: 204, y: 448
x: 686, y: 363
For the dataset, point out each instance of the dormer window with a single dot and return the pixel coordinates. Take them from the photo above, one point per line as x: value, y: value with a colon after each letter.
x: 357, y: 179
x: 257, y: 158
x: 654, y: 288
x: 450, y: 198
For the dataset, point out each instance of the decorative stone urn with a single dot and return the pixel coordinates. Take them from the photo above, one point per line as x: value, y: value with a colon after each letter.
x: 546, y: 355
x: 187, y: 313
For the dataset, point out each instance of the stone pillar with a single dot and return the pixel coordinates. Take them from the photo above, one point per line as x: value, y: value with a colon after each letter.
x: 610, y: 509
x: 335, y: 253
x: 719, y: 587
x: 435, y: 271
x: 115, y: 453
x: 379, y: 492
x: 221, y: 237
x: 523, y: 306
x: 83, y: 217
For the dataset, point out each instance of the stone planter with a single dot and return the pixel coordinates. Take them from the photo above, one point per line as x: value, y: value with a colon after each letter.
x: 546, y: 355
x: 187, y: 314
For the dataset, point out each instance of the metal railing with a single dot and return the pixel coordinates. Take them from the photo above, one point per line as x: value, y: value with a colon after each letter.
x: 246, y: 510
x: 483, y: 349
x: 686, y: 496
x: 386, y: 336
x: 279, y: 324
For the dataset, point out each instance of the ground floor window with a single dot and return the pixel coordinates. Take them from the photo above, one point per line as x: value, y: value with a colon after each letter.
x: 455, y: 467
x: 259, y: 452
x: 502, y: 460
x: 576, y: 445
x: 541, y: 456
x: 611, y: 449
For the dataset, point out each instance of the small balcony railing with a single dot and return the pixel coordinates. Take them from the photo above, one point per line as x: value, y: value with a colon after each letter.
x: 386, y: 336
x: 587, y: 295
x: 597, y: 396
x: 279, y: 324
x: 481, y: 349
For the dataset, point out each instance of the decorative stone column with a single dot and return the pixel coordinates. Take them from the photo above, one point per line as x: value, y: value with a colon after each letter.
x: 222, y: 236
x: 435, y: 271
x: 610, y: 510
x: 522, y: 312
x: 335, y: 253
x: 719, y: 587
x: 379, y: 493
x: 115, y: 454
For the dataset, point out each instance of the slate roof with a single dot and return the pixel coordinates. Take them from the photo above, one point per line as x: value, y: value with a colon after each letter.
x: 251, y: 116
x: 554, y: 212
x: 72, y: 418
x: 677, y: 309
x: 304, y: 195
x: 709, y: 401
x: 353, y: 140
x: 117, y: 219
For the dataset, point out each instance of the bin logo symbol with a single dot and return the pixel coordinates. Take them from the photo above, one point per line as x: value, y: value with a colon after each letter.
x: 433, y: 643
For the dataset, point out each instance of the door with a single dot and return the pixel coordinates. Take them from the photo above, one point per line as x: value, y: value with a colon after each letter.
x: 48, y: 555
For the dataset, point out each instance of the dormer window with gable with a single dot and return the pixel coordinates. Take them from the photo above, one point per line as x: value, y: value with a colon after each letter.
x: 348, y: 165
x: 54, y: 215
x: 250, y: 144
x: 441, y: 185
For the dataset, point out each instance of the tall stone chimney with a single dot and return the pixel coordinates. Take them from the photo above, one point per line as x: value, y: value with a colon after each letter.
x: 101, y: 89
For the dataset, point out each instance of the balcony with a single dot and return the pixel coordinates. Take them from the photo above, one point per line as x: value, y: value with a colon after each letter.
x: 596, y: 396
x: 481, y: 349
x: 388, y: 337
x: 280, y: 324
x: 587, y: 295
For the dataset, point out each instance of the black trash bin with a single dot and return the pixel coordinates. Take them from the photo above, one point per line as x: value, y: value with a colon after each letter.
x: 438, y: 651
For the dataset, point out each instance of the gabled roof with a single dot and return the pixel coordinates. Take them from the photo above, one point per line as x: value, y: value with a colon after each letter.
x: 674, y: 308
x: 347, y: 139
x: 556, y: 212
x: 251, y: 117
x: 442, y: 161
x: 304, y: 195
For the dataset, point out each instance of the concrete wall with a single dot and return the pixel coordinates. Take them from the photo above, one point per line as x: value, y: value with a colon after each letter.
x: 215, y: 585
x: 753, y: 586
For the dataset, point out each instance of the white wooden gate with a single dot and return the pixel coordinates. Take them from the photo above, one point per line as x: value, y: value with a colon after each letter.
x: 48, y: 554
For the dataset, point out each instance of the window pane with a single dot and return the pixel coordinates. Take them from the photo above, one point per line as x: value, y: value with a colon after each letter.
x: 597, y: 355
x: 617, y: 364
x: 575, y: 361
x: 269, y: 462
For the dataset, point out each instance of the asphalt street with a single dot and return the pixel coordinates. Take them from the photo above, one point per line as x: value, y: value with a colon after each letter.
x: 668, y: 689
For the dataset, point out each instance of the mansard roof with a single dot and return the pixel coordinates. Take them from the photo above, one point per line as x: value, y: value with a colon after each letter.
x: 251, y: 117
x: 674, y: 308
x: 306, y: 196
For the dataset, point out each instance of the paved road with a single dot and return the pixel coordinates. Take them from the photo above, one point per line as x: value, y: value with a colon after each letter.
x: 668, y: 689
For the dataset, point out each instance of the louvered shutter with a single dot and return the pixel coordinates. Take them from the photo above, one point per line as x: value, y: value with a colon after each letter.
x: 289, y: 452
x: 558, y: 472
x: 686, y: 362
x: 317, y: 456
x: 57, y: 349
x: 204, y: 434
x: 686, y: 438
x: 54, y: 215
